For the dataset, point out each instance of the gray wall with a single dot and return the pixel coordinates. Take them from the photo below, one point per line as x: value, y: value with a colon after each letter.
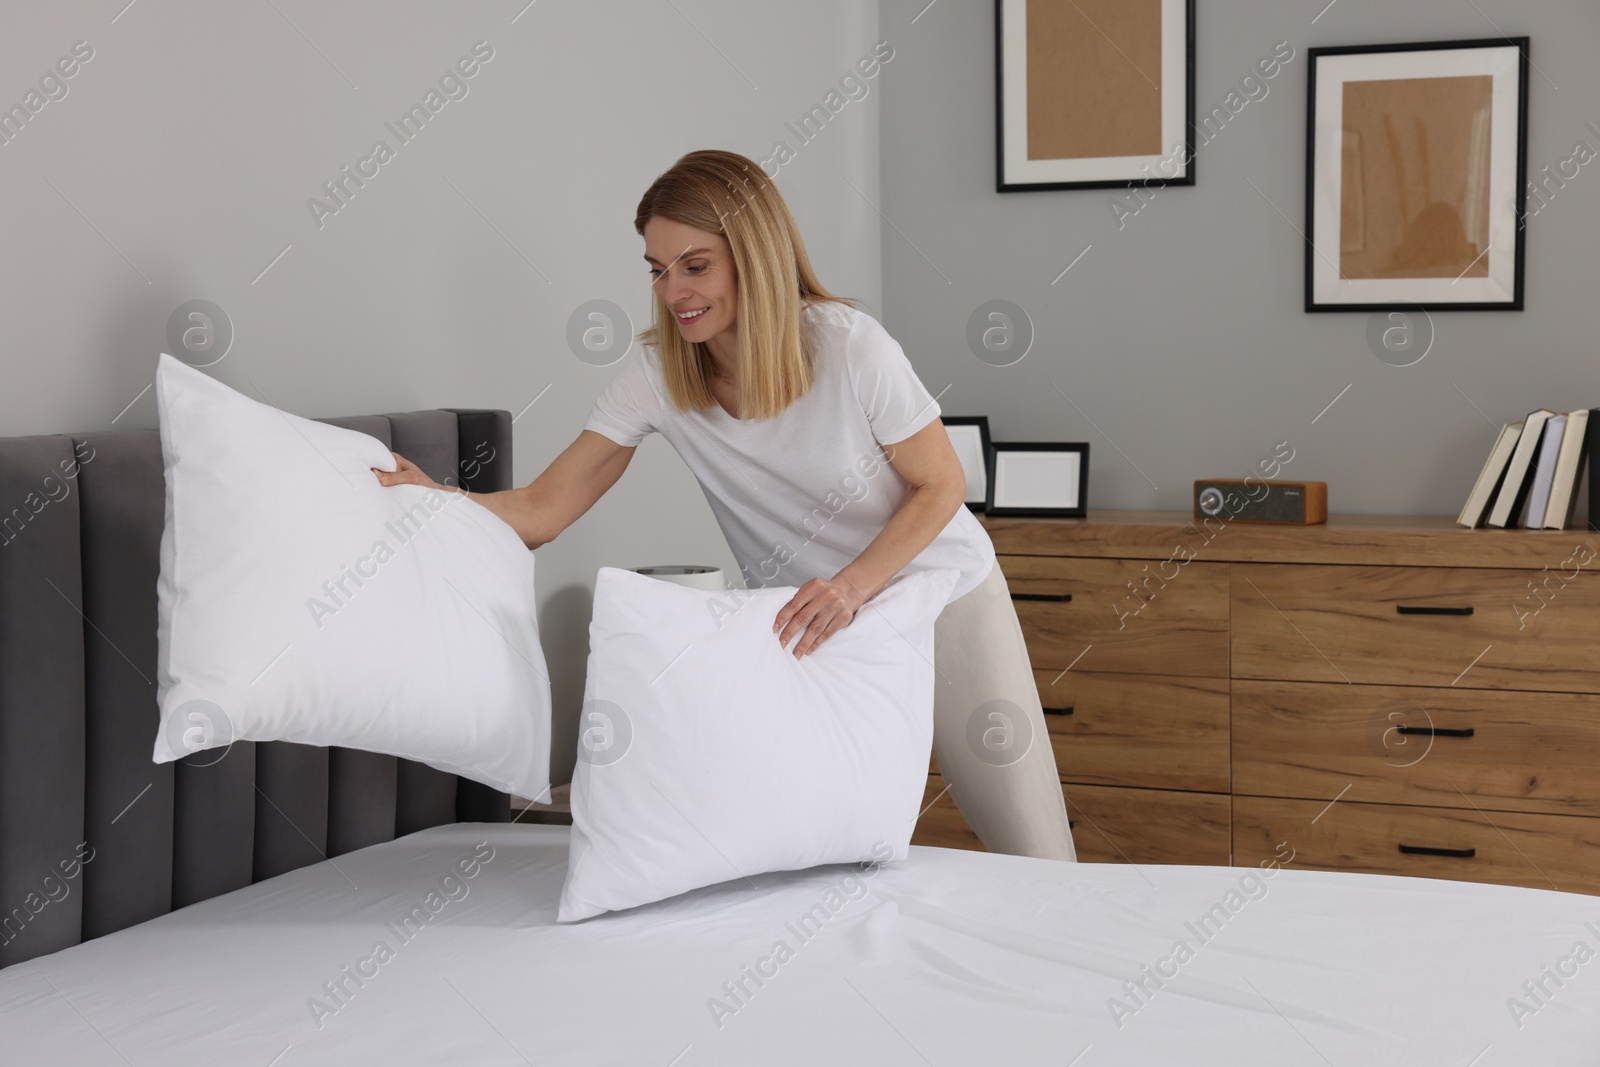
x: 179, y: 164
x: 1181, y: 336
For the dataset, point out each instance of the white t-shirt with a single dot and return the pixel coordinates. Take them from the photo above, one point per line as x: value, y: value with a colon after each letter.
x: 801, y: 495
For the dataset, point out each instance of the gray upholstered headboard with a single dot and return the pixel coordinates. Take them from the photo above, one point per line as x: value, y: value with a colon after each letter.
x: 80, y: 532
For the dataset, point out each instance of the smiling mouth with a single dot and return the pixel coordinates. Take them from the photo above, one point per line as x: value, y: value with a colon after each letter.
x: 693, y: 315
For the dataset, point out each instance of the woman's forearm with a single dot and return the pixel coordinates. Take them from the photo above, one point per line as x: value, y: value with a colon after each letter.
x: 516, y: 508
x: 556, y: 499
x: 912, y: 528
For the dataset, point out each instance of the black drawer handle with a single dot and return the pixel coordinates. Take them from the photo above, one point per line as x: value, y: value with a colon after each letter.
x: 1434, y: 731
x: 1058, y: 711
x: 1453, y: 853
x: 1410, y: 609
x: 1054, y: 598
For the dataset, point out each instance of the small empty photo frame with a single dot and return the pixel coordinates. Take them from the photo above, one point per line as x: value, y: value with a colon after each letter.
x: 969, y: 436
x: 1038, y: 480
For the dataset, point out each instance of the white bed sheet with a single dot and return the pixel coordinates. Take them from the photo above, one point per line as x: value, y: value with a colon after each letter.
x: 946, y: 958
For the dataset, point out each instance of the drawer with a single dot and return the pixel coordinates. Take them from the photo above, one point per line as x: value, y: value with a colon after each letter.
x: 1506, y: 751
x: 1542, y: 851
x: 1138, y: 730
x: 1112, y: 825
x: 1108, y: 825
x: 1479, y: 628
x: 1122, y: 615
x: 941, y: 823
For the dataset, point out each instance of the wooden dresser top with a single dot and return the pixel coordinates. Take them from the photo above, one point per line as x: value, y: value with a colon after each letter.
x: 1388, y: 540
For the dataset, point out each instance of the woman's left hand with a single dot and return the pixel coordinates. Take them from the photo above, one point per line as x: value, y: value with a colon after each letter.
x: 821, y: 608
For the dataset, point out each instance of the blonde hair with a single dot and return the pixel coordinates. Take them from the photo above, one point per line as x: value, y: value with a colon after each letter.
x: 727, y: 194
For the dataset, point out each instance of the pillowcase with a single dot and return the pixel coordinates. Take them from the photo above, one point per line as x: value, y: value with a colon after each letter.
x: 707, y: 752
x: 300, y: 600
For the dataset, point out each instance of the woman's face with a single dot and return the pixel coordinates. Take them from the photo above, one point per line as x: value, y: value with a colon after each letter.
x: 694, y: 272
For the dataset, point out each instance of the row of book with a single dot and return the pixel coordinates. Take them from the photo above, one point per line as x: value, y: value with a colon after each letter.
x: 1533, y: 472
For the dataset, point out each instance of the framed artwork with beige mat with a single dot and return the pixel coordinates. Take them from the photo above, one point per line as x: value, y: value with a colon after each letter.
x: 1416, y: 176
x: 1093, y: 94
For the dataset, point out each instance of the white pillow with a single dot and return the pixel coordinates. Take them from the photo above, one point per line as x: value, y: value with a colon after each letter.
x: 708, y: 752
x: 300, y: 600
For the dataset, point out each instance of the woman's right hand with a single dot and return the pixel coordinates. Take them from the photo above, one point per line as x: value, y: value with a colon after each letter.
x: 554, y: 500
x: 405, y: 473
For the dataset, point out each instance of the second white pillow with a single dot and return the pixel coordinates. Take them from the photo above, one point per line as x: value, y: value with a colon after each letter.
x: 707, y: 752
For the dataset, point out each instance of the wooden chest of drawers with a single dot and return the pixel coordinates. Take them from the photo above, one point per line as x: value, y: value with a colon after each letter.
x: 1391, y: 695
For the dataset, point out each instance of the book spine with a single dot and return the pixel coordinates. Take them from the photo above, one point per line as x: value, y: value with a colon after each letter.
x: 1591, y: 456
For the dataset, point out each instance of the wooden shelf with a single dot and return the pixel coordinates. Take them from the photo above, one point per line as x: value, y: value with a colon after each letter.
x: 1390, y: 694
x: 1395, y: 540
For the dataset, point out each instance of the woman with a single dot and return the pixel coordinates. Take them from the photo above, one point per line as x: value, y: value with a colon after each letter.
x: 826, y: 465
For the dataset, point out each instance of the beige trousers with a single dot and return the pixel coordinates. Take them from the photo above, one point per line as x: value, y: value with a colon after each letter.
x: 988, y: 727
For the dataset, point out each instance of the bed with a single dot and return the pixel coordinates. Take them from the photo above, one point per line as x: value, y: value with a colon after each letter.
x: 288, y: 905
x: 80, y: 531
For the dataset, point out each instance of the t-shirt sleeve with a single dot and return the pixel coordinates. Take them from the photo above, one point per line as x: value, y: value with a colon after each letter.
x: 894, y: 399
x: 628, y: 409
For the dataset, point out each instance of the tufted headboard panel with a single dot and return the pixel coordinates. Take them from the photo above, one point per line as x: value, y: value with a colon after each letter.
x: 94, y: 835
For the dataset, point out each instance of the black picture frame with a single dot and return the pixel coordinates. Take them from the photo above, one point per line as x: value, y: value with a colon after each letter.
x: 1519, y: 230
x: 985, y: 443
x: 997, y: 507
x: 1018, y: 186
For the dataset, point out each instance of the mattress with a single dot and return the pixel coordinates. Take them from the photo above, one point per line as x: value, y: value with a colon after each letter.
x: 442, y: 947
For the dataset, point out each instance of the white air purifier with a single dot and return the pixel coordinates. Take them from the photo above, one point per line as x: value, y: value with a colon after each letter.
x: 691, y: 575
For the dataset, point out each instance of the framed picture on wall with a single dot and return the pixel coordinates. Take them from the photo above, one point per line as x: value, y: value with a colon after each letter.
x: 1094, y: 94
x: 969, y: 436
x: 1416, y: 176
x: 1038, y: 480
